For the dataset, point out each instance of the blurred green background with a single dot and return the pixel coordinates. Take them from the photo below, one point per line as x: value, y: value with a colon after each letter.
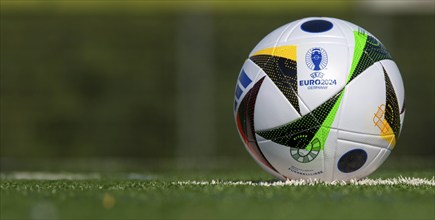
x: 154, y: 81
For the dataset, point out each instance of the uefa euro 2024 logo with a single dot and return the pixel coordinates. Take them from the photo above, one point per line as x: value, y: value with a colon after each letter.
x: 316, y: 58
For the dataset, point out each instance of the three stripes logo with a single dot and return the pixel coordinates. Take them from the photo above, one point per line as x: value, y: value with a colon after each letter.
x: 243, y: 82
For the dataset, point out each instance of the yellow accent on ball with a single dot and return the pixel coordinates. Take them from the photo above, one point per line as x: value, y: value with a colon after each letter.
x: 288, y: 52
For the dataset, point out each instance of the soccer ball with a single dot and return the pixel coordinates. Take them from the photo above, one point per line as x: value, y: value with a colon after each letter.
x: 319, y: 98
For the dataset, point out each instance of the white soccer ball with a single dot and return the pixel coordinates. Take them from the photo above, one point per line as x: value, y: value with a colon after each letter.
x: 319, y: 98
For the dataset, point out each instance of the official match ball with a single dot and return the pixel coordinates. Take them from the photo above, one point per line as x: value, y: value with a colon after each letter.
x: 319, y: 98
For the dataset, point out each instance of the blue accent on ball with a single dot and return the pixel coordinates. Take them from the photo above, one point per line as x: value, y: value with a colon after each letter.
x: 316, y: 26
x: 238, y: 92
x: 244, y: 79
x: 352, y: 160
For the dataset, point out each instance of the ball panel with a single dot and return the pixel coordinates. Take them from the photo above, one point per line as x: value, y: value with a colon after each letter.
x: 363, y: 97
x: 282, y: 72
x: 269, y: 168
x: 353, y: 168
x: 275, y: 37
x: 272, y: 110
x: 377, y: 162
x: 375, y: 140
x: 276, y: 154
x: 249, y: 74
x: 280, y: 158
x: 316, y: 84
x: 347, y: 33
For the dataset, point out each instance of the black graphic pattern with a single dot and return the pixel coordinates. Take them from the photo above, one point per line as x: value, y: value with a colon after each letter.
x: 373, y: 52
x: 283, y: 73
x: 392, y: 112
x: 299, y: 133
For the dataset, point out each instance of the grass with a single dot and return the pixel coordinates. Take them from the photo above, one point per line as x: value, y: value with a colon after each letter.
x: 157, y: 195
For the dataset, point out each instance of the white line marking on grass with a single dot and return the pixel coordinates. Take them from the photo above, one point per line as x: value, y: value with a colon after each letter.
x: 69, y: 176
x: 406, y: 181
x: 49, y: 176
